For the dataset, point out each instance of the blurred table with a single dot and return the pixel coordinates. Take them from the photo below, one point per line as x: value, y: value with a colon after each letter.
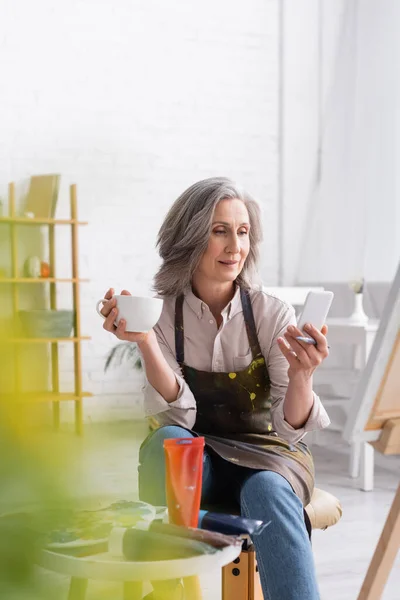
x: 132, y: 574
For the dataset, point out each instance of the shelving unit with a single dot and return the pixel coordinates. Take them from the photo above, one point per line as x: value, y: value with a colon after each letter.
x: 45, y: 340
x: 54, y: 395
x: 39, y: 279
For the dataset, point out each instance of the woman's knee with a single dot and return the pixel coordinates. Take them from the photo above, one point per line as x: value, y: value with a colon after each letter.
x: 270, y: 490
x: 154, y: 443
x: 152, y: 463
x: 268, y: 481
x: 169, y: 432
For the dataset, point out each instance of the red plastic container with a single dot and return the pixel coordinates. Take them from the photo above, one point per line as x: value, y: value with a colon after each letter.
x: 184, y: 470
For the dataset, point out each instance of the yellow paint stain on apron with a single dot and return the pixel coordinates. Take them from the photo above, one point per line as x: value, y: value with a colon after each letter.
x: 256, y: 363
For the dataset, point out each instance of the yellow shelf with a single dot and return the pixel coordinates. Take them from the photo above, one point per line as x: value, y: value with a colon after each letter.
x: 14, y: 225
x: 41, y: 280
x: 40, y: 221
x: 45, y: 396
x: 45, y: 340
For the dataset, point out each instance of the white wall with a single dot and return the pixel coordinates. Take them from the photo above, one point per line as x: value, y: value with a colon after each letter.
x: 134, y: 101
x: 311, y: 30
x: 352, y: 220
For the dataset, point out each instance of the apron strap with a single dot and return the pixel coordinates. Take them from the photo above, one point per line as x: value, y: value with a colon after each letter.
x: 179, y: 344
x: 250, y: 323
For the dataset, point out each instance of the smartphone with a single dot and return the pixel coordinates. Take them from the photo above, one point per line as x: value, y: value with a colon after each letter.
x: 315, y: 309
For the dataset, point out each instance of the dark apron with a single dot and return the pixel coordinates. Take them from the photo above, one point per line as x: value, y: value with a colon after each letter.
x: 234, y: 412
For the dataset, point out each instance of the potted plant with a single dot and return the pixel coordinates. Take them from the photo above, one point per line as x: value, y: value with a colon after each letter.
x: 123, y: 352
x: 128, y: 352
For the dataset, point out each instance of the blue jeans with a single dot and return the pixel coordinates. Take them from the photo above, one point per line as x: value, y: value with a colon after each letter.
x: 283, y: 550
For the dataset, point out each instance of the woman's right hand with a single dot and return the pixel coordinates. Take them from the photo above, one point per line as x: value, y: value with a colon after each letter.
x: 110, y: 312
x: 159, y: 373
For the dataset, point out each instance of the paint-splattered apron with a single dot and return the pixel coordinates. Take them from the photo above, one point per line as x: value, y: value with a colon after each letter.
x: 234, y: 412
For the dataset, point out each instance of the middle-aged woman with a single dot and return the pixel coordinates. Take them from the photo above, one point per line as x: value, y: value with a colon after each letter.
x: 223, y: 362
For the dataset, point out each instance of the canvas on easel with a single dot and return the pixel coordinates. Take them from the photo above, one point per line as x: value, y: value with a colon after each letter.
x: 42, y: 196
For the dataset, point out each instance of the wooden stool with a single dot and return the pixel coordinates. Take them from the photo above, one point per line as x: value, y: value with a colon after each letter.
x: 240, y: 579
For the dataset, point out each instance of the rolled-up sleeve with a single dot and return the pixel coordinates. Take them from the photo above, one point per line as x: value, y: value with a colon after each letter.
x: 277, y: 370
x: 181, y: 411
x: 318, y: 419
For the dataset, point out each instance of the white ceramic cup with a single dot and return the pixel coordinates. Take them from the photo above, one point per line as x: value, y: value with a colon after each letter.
x: 140, y: 314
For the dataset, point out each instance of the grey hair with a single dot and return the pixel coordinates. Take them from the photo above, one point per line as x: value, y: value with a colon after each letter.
x: 184, y: 234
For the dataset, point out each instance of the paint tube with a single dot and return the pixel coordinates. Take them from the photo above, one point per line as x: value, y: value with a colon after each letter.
x: 184, y: 470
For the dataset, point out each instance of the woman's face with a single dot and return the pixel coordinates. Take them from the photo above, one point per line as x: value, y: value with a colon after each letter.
x: 229, y: 242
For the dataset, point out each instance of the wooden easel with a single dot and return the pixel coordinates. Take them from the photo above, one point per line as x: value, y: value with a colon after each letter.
x: 384, y: 555
x: 388, y: 398
x: 374, y: 419
x: 388, y: 443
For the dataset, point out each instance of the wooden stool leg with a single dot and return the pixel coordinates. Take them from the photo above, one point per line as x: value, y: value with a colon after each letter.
x: 133, y: 590
x: 192, y: 588
x: 235, y: 579
x: 255, y: 591
x: 77, y: 589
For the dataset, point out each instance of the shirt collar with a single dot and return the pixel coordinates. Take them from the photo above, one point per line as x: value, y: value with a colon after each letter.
x: 198, y: 306
x: 194, y: 302
x: 235, y: 305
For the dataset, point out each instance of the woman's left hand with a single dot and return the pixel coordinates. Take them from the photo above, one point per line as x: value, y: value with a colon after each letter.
x: 304, y: 358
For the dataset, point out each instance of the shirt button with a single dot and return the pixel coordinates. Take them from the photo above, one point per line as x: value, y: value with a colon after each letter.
x: 211, y: 321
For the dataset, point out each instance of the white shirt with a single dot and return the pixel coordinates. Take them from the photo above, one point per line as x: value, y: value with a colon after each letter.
x: 226, y: 349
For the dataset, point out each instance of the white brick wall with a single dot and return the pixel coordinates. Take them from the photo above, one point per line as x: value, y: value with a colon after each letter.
x: 134, y: 101
x: 137, y: 99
